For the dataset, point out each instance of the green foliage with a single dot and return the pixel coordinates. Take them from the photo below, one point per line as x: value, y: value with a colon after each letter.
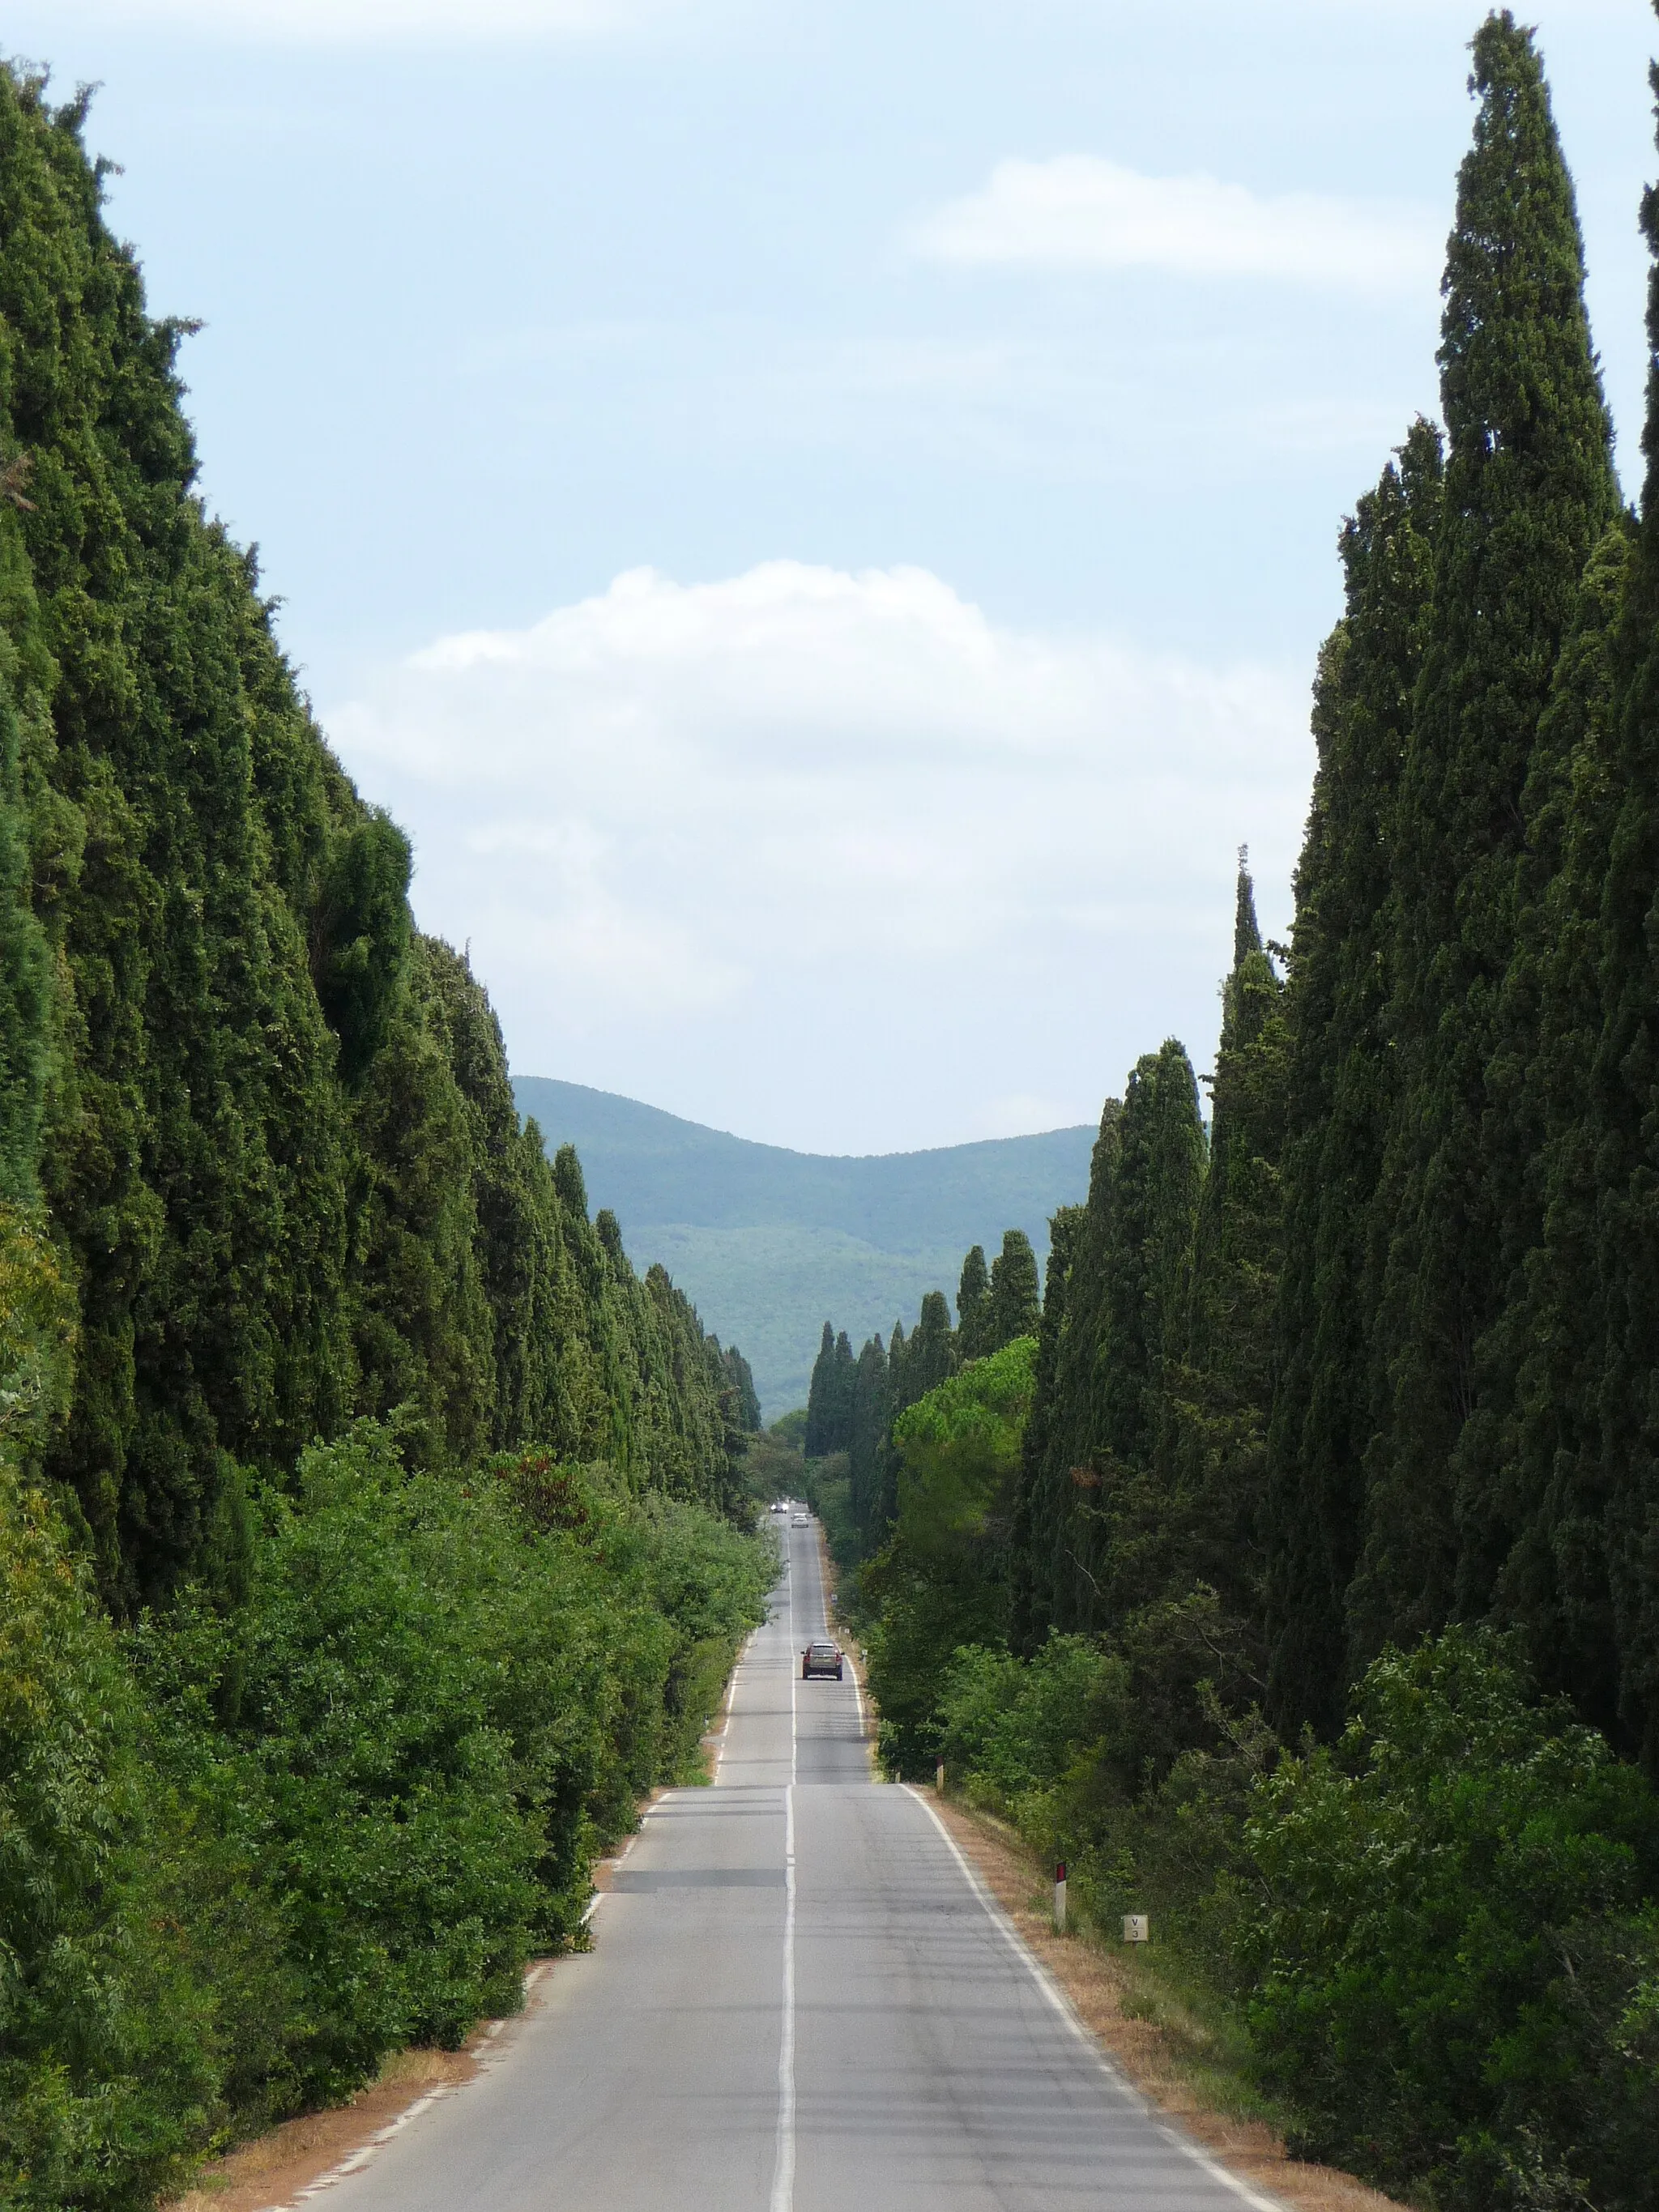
x: 271, y: 1127
x: 25, y: 981
x: 37, y: 1339
x: 1528, y: 491
x: 1013, y: 1305
x: 867, y: 1427
x: 829, y: 1402
x: 106, y: 2083
x: 1059, y: 1476
x: 941, y: 1580
x: 1016, y: 1727
x: 246, y: 1857
x: 1382, y: 1360
x: 360, y: 936
x: 1340, y: 1085
x: 1210, y: 1464
x: 741, y: 1382
x: 973, y: 1301
x: 1457, y: 1969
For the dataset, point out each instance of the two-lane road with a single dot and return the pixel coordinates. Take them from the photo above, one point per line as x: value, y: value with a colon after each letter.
x: 798, y: 2000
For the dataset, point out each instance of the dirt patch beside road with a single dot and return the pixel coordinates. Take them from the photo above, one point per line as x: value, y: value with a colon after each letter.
x: 274, y: 2168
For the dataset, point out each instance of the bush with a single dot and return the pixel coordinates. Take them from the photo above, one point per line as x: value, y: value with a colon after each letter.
x: 941, y: 1583
x: 107, y: 2077
x: 1458, y: 1966
x: 1016, y: 1728
x: 244, y: 1855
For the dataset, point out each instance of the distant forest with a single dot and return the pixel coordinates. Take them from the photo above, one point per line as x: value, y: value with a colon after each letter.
x: 1296, y: 1564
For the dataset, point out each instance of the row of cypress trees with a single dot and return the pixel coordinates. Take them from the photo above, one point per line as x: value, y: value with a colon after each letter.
x: 1375, y: 1352
x: 266, y: 1124
x: 853, y: 1403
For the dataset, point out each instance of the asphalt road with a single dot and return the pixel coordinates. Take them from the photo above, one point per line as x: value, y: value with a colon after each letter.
x: 798, y: 2000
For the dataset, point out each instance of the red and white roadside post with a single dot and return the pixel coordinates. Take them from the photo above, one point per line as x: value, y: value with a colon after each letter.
x: 1060, y: 1897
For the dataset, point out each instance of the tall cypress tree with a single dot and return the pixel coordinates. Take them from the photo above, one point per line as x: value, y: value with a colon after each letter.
x: 1530, y: 1498
x: 916, y: 1364
x: 1597, y: 1504
x: 1338, y: 1086
x: 1013, y: 1305
x: 1039, y: 1510
x: 821, y: 1399
x: 1213, y: 1447
x: 1151, y: 1213
x: 1065, y: 1412
x: 1529, y: 489
x: 279, y: 1155
x: 973, y: 1296
x: 867, y: 1422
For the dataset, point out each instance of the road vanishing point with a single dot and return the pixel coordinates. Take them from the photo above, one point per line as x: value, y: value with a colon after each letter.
x: 799, y: 1999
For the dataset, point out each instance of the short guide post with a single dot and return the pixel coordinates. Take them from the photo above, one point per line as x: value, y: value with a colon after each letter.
x: 1059, y: 1896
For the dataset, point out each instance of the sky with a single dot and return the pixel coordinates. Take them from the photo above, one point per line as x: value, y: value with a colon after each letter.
x: 818, y: 516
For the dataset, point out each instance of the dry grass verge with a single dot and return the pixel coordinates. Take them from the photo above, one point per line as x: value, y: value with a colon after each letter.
x: 1146, y: 2030
x: 273, y: 2169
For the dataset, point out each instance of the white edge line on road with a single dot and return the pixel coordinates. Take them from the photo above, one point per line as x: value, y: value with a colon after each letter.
x: 731, y: 1693
x: 1062, y: 2005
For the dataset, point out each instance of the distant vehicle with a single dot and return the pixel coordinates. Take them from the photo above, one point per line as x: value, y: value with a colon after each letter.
x: 780, y: 1506
x: 821, y: 1659
x: 801, y: 1521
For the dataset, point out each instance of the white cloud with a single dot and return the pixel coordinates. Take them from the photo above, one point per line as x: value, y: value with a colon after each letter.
x: 691, y: 829
x: 1079, y: 212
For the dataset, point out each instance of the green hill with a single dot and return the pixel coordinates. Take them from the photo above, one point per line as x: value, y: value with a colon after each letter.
x: 770, y: 1243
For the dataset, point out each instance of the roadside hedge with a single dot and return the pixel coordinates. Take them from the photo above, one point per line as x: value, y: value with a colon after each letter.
x: 245, y: 1854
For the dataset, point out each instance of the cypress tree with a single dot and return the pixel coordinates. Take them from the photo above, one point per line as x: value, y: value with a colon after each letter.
x: 1151, y: 1215
x: 740, y: 1380
x: 972, y: 1293
x: 1039, y: 1513
x: 915, y: 1365
x: 1530, y: 1500
x: 820, y: 1399
x: 1062, y: 1486
x: 867, y: 1422
x: 1213, y: 1449
x: 830, y: 1396
x: 1593, y: 1503
x: 1013, y: 1305
x: 844, y: 1383
x: 932, y: 1353
x: 1338, y: 1086
x: 1528, y: 491
x: 276, y: 1152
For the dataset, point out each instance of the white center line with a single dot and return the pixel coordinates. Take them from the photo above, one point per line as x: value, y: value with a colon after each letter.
x: 783, y: 2171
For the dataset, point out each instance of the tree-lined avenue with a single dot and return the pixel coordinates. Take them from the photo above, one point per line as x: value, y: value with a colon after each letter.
x: 894, y: 2049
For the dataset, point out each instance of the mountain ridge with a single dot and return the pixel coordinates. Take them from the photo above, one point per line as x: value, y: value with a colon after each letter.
x: 768, y: 1241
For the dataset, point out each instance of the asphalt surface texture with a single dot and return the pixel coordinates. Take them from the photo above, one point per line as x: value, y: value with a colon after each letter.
x: 798, y: 2000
